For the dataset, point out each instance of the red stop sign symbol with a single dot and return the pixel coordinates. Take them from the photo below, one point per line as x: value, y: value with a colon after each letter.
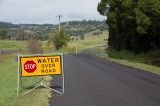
x: 30, y: 66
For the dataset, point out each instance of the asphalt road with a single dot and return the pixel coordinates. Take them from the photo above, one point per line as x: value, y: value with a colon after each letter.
x: 90, y: 81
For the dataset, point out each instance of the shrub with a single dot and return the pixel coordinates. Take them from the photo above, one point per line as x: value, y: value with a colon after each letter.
x: 34, y: 46
x: 59, y: 39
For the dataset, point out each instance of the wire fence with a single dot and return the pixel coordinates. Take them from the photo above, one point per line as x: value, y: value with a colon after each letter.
x: 6, y: 52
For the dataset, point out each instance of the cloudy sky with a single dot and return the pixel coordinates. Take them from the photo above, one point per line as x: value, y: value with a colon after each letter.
x: 45, y: 11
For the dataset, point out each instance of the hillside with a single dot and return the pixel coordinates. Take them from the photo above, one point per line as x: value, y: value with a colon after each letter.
x: 80, y: 28
x: 42, y: 31
x: 7, y: 25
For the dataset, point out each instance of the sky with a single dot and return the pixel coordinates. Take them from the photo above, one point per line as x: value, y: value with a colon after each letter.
x: 45, y: 11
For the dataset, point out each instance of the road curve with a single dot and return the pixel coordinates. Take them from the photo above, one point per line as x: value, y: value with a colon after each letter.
x: 90, y: 81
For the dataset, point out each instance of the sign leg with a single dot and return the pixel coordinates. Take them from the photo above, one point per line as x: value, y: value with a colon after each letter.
x: 62, y: 73
x: 18, y: 77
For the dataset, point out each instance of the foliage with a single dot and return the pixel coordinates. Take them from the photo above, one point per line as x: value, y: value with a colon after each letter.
x: 125, y: 55
x: 24, y: 31
x: 80, y: 28
x: 7, y: 25
x: 97, y: 33
x: 82, y: 37
x: 133, y: 24
x: 34, y: 46
x: 3, y: 34
x: 151, y: 58
x: 59, y: 39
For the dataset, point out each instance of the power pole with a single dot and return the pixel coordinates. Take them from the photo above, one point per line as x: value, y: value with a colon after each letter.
x: 59, y: 17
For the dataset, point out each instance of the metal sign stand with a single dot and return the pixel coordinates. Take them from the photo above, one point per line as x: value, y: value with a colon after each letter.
x: 41, y: 81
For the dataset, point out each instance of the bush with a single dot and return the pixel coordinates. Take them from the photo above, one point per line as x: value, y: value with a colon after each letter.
x: 34, y: 46
x: 154, y: 54
x: 154, y: 57
x: 59, y: 39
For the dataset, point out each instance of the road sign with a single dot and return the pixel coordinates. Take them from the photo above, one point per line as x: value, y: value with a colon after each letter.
x: 40, y: 65
x: 30, y: 66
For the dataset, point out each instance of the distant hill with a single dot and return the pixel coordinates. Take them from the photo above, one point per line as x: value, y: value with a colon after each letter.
x: 79, y: 28
x: 84, y: 23
x: 42, y: 31
x: 7, y: 25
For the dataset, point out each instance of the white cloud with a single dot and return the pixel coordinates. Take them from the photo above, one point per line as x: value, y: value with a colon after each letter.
x: 45, y: 11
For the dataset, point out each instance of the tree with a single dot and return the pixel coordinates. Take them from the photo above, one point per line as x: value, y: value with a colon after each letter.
x: 133, y: 24
x: 24, y: 34
x: 82, y: 37
x: 3, y: 34
x: 59, y: 39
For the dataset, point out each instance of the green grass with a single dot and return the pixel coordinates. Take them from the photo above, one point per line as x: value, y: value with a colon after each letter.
x: 8, y: 84
x: 90, y: 41
x: 8, y: 81
x: 139, y: 65
x: 11, y: 45
x: 126, y: 55
x: 130, y: 59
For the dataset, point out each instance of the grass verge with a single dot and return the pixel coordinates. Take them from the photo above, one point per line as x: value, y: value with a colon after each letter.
x: 142, y: 66
x: 139, y: 61
x: 8, y: 82
x: 11, y: 45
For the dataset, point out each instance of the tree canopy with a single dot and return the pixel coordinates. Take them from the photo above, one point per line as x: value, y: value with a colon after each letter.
x: 3, y: 34
x: 59, y: 39
x: 133, y: 24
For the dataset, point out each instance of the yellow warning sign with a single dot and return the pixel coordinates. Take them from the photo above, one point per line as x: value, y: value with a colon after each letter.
x: 41, y: 65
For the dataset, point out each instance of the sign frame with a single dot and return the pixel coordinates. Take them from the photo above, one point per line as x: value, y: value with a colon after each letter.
x: 21, y: 67
x: 19, y: 76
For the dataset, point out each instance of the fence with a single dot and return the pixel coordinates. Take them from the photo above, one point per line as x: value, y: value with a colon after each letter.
x: 5, y: 52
